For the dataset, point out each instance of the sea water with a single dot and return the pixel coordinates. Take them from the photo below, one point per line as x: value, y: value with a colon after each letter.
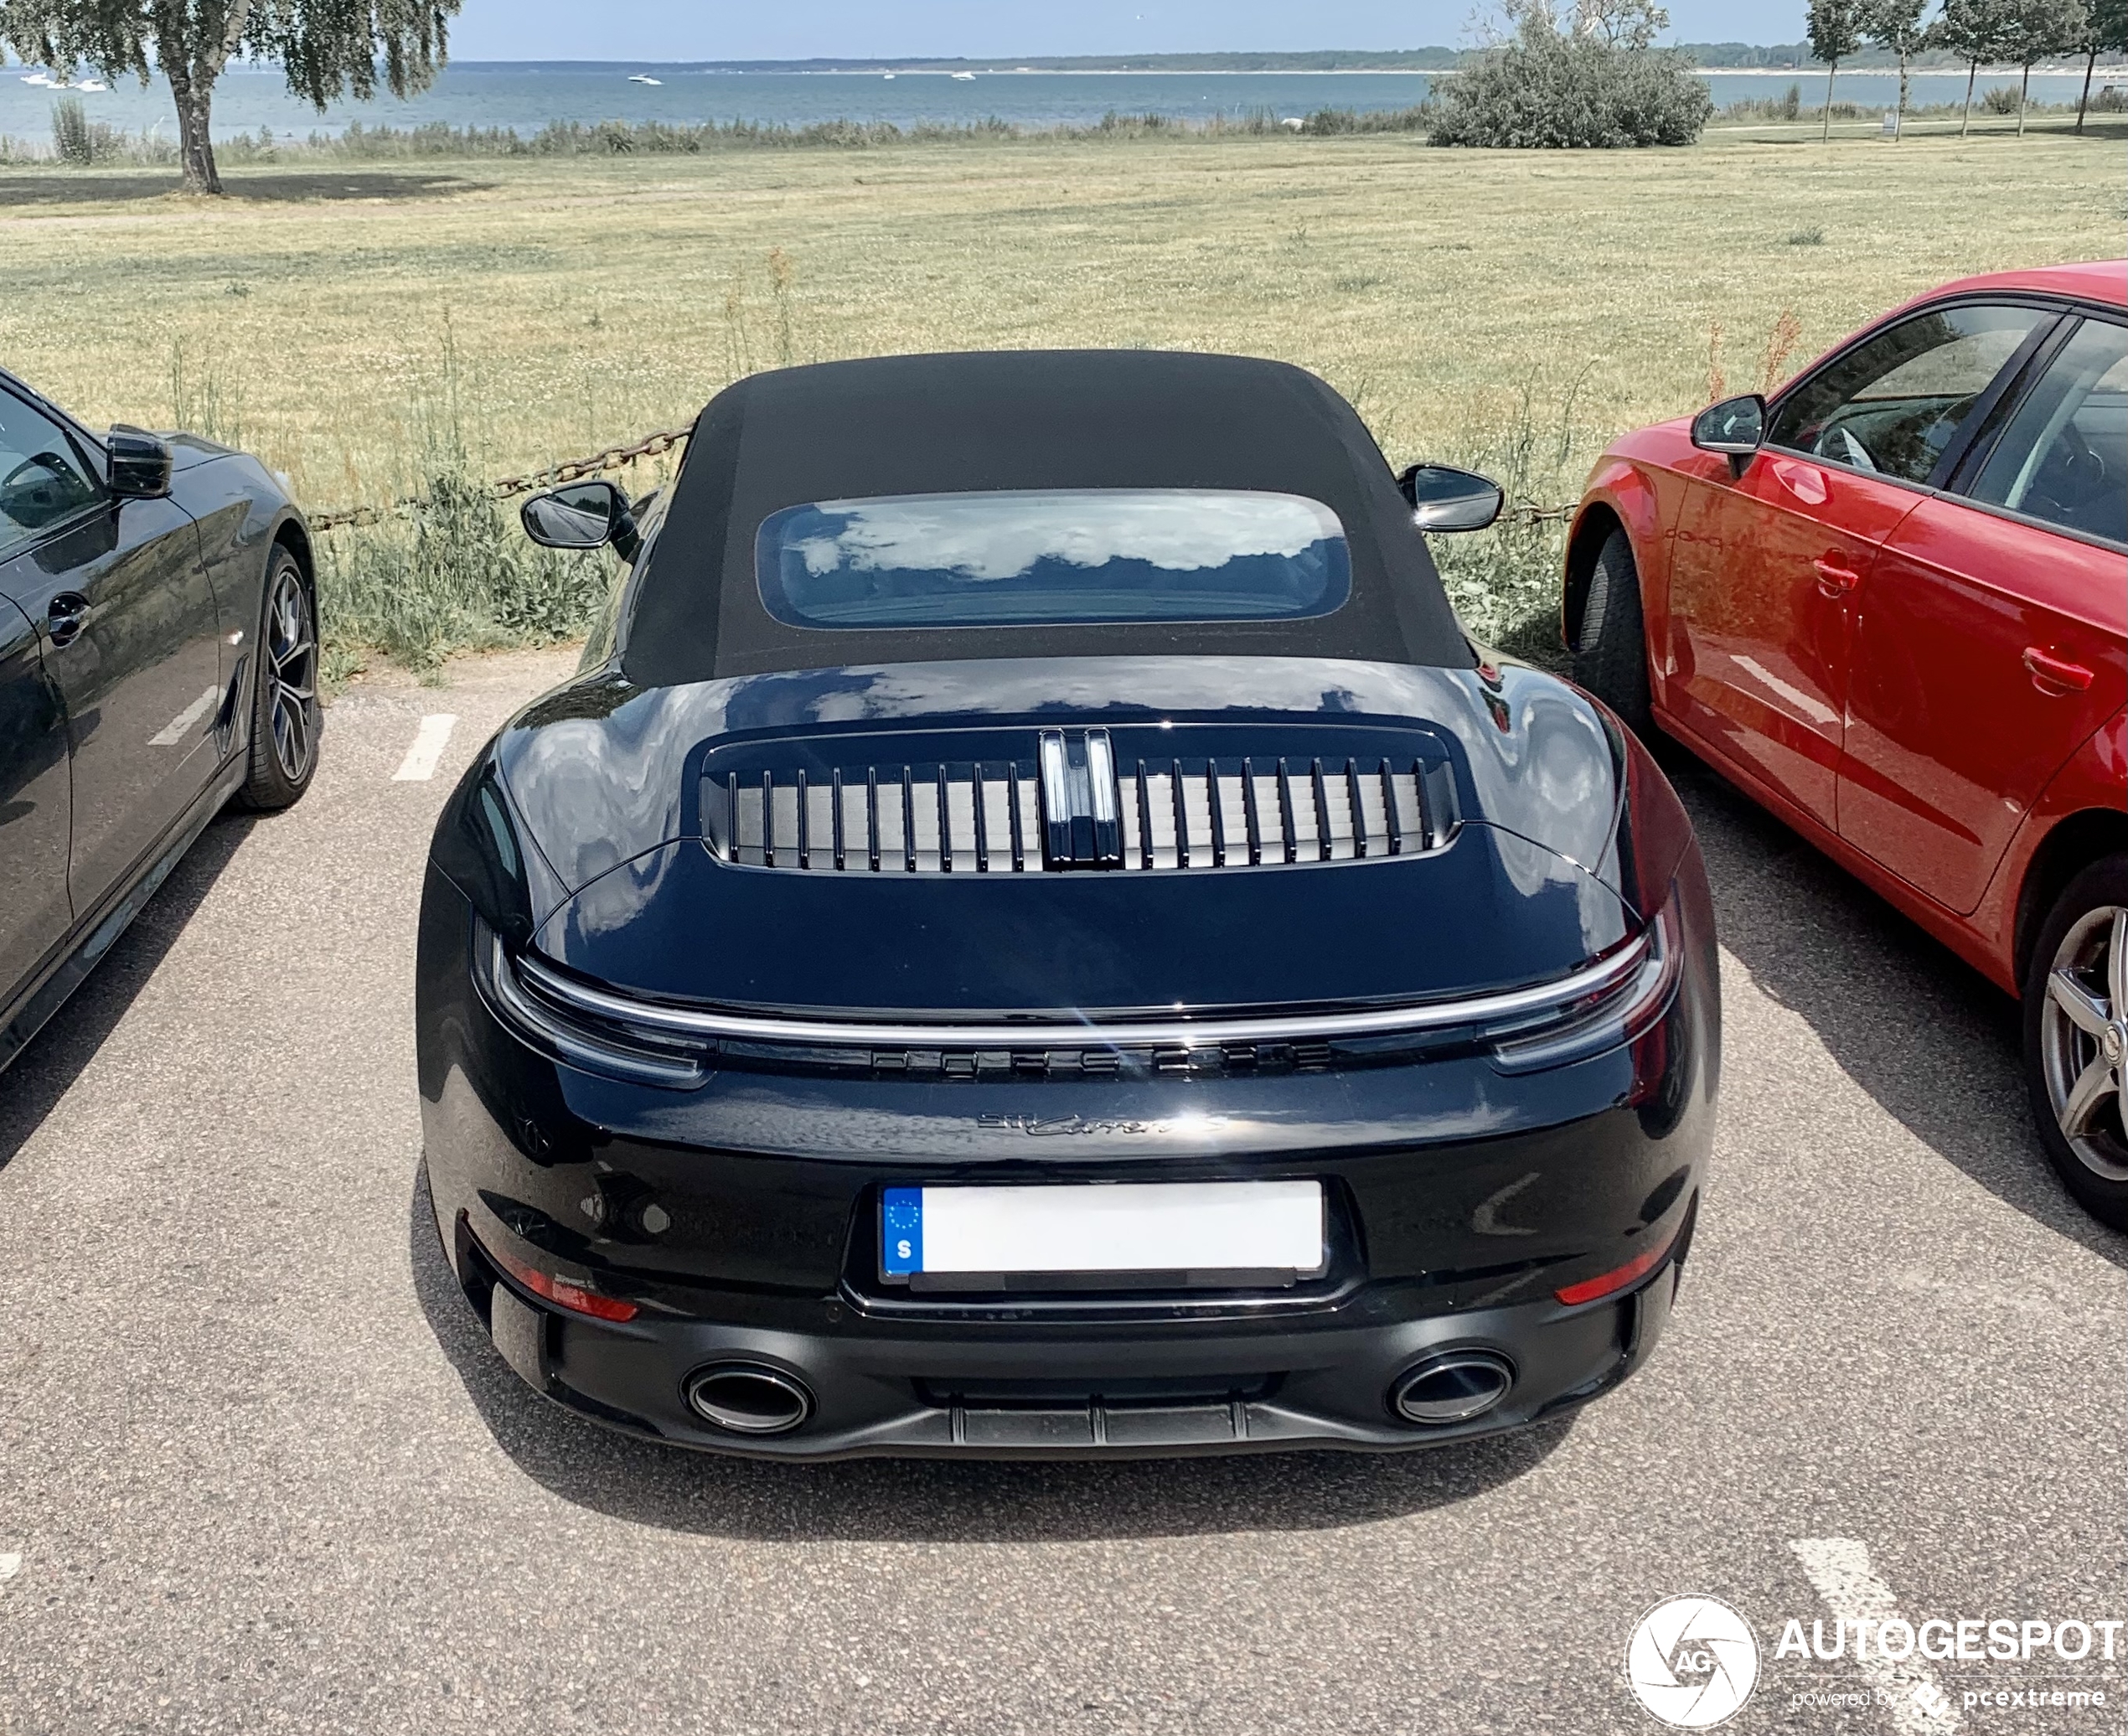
x: 526, y: 96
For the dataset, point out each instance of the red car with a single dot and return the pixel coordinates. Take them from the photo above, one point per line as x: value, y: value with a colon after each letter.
x: 1890, y: 604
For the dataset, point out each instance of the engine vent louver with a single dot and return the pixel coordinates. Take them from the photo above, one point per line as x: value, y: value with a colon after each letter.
x: 1079, y: 805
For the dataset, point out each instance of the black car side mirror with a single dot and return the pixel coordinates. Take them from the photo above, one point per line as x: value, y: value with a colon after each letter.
x: 580, y: 515
x: 140, y: 464
x: 1445, y: 499
x: 1736, y: 427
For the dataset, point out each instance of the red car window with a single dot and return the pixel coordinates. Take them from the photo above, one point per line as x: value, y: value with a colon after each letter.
x: 2063, y: 457
x: 1893, y: 404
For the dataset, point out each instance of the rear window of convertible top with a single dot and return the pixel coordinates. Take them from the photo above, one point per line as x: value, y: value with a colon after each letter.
x: 1081, y: 556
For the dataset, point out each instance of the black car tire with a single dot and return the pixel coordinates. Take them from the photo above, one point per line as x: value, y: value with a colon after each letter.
x: 284, y: 713
x: 1610, y: 658
x: 2067, y: 1036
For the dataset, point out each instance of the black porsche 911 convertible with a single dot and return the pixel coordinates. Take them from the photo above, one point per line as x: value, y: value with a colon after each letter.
x: 158, y: 658
x: 1034, y: 932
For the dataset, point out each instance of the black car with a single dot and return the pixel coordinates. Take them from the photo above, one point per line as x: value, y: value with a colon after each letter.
x: 1034, y: 932
x: 158, y: 658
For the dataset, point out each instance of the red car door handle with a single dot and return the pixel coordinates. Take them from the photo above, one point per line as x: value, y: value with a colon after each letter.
x: 2055, y: 675
x: 1834, y: 579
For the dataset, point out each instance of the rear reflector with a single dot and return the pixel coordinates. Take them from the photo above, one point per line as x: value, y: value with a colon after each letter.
x: 1594, y: 1290
x: 562, y: 1293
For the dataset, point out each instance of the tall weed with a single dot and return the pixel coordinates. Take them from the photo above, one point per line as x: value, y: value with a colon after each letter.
x: 1504, y: 582
x: 453, y: 571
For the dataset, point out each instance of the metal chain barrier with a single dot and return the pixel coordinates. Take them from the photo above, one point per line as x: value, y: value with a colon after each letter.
x: 614, y: 458
x: 651, y: 446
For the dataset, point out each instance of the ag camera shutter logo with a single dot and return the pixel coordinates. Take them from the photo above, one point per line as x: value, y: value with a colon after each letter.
x: 1692, y: 1662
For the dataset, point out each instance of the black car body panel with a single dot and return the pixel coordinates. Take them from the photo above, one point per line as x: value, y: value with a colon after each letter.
x: 676, y: 1042
x: 129, y: 732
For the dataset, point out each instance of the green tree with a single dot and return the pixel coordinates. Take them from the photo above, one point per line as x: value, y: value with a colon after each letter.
x: 1896, y: 25
x: 1835, y: 28
x: 2105, y: 28
x: 1976, y: 31
x: 328, y: 48
x: 2039, y: 28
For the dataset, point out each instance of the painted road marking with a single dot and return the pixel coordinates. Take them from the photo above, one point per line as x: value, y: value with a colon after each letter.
x: 1839, y: 1569
x: 419, y: 764
x: 180, y: 727
x: 10, y: 1565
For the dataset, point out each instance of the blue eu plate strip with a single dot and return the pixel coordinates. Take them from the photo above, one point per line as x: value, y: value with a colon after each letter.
x: 901, y: 1231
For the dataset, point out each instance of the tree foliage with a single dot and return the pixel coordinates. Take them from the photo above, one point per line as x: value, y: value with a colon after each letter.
x: 1974, y: 30
x: 1835, y: 28
x: 2034, y: 29
x: 1900, y: 26
x: 2038, y: 28
x: 328, y: 48
x: 1836, y: 32
x: 1597, y: 84
x: 1621, y: 24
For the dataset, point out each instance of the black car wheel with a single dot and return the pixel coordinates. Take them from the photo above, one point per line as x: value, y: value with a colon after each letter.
x: 285, y: 712
x: 1610, y: 656
x: 2076, y: 1037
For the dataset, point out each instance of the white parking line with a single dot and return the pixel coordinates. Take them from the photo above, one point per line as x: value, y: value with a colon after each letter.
x: 419, y: 764
x: 178, y: 727
x: 1839, y: 1569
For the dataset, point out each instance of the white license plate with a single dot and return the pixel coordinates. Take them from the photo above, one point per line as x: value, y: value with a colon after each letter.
x: 1194, y: 1227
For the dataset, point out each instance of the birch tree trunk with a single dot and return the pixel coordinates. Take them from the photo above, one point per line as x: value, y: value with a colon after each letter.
x: 1966, y: 126
x: 1825, y: 137
x: 192, y: 68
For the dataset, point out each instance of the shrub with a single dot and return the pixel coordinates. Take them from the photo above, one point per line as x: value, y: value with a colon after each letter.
x: 1331, y: 123
x: 2003, y: 100
x: 1544, y: 89
x: 455, y: 572
x: 78, y: 140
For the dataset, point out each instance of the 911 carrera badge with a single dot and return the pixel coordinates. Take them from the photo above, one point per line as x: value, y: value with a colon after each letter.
x: 1081, y: 826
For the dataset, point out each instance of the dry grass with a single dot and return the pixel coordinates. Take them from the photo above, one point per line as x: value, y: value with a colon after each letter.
x: 1456, y: 296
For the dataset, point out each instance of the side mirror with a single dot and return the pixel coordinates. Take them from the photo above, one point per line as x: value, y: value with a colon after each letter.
x: 581, y: 515
x: 140, y: 464
x: 1445, y: 499
x: 1736, y: 427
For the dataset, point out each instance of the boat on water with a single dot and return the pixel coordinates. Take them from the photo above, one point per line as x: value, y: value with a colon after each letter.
x: 964, y: 78
x: 644, y: 78
x: 40, y: 81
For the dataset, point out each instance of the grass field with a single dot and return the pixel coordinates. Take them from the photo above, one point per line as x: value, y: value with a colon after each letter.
x: 1511, y: 309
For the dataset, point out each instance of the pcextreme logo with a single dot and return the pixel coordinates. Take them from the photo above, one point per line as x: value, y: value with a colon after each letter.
x: 1692, y: 1662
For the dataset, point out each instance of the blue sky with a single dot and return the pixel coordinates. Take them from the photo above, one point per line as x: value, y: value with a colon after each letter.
x: 793, y: 29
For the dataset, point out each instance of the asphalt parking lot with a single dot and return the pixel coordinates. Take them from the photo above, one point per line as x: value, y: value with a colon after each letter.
x: 260, y: 1470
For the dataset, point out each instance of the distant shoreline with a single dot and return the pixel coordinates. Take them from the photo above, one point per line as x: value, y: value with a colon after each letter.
x: 619, y: 69
x: 1174, y: 66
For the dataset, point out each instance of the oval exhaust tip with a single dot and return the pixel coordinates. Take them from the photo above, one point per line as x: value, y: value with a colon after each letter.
x: 746, y: 1398
x: 1454, y: 1386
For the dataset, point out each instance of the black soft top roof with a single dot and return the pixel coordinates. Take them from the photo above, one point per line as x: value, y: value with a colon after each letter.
x: 1022, y: 420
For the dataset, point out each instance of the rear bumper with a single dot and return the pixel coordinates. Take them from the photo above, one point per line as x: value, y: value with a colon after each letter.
x: 738, y: 1221
x: 879, y: 1388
